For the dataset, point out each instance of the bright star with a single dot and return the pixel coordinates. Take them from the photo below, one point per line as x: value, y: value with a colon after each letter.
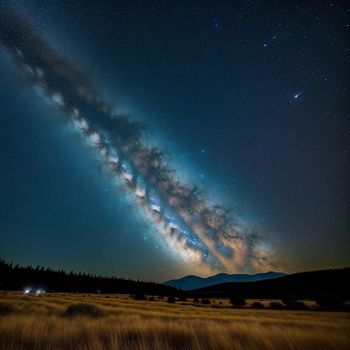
x: 296, y: 96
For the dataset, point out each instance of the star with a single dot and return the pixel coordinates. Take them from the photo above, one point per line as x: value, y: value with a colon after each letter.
x: 297, y: 95
x: 216, y: 23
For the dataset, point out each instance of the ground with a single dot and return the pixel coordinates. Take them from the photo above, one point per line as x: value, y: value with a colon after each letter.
x: 41, y: 322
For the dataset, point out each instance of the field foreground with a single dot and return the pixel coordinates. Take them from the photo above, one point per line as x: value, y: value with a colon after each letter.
x: 41, y: 322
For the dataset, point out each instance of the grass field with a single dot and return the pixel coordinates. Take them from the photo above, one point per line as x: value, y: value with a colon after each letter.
x: 33, y: 322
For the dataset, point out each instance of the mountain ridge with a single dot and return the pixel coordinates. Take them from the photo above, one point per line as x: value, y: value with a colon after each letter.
x: 191, y: 282
x: 304, y: 285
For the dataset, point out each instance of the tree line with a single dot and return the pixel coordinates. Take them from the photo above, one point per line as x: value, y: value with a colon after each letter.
x: 15, y: 277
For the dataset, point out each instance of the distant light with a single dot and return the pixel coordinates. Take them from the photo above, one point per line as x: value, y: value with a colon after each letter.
x: 296, y: 96
x: 39, y: 291
x: 27, y: 291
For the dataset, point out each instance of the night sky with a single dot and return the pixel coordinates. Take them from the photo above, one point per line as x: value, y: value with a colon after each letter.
x: 248, y: 99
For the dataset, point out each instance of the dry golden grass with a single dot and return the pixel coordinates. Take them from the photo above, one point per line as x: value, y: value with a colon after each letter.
x: 39, y: 323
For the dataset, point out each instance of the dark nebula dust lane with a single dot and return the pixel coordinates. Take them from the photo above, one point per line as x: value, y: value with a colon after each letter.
x: 196, y: 230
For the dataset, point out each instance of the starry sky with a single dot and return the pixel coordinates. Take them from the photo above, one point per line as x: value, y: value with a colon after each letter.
x: 249, y: 99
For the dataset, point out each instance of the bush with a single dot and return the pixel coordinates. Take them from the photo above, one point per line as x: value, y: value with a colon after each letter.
x: 196, y: 300
x: 152, y: 299
x: 182, y: 298
x: 276, y: 305
x: 237, y: 299
x: 171, y: 300
x: 80, y: 309
x: 257, y: 305
x: 329, y: 301
x: 139, y: 296
x: 289, y: 299
x: 6, y: 309
x: 205, y: 301
x: 297, y: 305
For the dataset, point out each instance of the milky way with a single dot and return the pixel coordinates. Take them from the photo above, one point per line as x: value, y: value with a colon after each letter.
x: 195, y: 229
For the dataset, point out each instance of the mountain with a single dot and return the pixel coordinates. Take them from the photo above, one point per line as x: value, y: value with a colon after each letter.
x: 305, y: 285
x: 194, y: 282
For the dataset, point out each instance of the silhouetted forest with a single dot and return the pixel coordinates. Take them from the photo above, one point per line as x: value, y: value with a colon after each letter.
x: 304, y: 285
x: 19, y: 278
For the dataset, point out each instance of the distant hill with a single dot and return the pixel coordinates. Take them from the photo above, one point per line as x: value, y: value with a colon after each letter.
x: 194, y: 282
x: 305, y: 285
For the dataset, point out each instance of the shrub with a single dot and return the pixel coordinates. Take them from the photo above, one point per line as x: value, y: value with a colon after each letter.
x: 289, y: 299
x: 276, y: 305
x: 257, y: 305
x: 139, y: 296
x: 205, y: 301
x: 81, y: 309
x: 329, y: 301
x: 196, y: 300
x: 152, y: 299
x: 297, y: 305
x: 182, y: 298
x: 171, y: 300
x: 6, y: 309
x: 237, y: 299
